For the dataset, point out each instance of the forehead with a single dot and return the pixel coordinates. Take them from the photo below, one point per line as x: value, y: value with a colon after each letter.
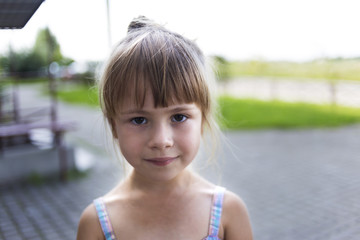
x: 131, y: 100
x: 129, y: 104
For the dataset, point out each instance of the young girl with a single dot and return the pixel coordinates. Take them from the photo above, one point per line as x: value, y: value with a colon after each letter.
x: 156, y: 100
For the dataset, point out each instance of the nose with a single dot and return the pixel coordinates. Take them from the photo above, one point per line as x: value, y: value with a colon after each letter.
x: 161, y: 137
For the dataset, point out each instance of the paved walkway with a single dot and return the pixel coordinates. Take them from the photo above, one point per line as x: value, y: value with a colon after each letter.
x: 301, y: 184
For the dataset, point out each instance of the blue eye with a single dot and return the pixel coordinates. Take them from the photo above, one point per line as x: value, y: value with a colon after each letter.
x: 178, y: 118
x: 139, y: 120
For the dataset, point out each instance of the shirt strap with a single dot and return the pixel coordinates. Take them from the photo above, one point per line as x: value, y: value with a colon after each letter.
x: 104, y: 219
x: 216, y: 210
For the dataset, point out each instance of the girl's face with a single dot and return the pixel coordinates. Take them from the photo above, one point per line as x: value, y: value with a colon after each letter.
x: 159, y: 142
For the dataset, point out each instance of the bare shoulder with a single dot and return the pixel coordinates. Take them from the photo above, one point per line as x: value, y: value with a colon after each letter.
x: 235, y: 218
x: 89, y: 225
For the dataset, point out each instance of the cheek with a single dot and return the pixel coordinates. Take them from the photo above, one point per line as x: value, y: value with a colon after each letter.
x: 129, y: 142
x: 189, y: 138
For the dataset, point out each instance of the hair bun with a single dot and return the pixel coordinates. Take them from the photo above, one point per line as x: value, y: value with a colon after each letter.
x: 139, y: 23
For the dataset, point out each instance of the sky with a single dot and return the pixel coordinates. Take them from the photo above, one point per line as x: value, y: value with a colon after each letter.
x: 292, y: 30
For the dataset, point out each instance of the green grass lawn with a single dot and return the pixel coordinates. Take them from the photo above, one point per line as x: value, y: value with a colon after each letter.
x: 257, y: 114
x: 79, y: 95
x: 251, y: 113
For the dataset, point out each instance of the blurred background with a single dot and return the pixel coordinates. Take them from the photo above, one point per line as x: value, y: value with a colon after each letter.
x: 288, y: 88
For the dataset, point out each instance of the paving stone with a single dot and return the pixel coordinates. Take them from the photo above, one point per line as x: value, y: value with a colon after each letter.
x: 12, y: 235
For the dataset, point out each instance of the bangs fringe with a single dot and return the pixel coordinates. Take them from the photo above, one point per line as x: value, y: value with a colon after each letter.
x: 170, y: 69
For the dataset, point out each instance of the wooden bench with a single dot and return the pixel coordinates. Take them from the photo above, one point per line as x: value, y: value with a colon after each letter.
x: 18, y: 129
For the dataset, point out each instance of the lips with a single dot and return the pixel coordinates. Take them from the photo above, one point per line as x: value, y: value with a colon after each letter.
x: 163, y: 161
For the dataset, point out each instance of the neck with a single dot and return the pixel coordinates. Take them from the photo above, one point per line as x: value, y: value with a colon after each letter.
x: 178, y: 184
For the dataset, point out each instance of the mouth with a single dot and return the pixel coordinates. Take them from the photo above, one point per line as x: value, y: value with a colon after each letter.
x: 163, y: 161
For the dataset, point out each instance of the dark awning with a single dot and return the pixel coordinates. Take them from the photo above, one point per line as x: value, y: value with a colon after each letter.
x: 16, y: 13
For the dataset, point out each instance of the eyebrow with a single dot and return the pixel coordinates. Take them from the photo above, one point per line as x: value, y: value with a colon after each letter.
x: 143, y: 112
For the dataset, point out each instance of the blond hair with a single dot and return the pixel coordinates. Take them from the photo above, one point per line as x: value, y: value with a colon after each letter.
x: 152, y: 57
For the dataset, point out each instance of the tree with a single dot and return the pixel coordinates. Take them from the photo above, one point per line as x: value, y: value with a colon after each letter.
x: 47, y: 47
x: 24, y: 63
x: 34, y: 62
